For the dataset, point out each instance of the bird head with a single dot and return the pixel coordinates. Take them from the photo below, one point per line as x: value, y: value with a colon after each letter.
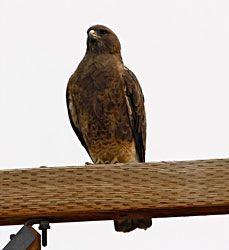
x: 102, y: 40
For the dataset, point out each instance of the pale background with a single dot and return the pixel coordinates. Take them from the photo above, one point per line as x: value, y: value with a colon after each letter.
x: 179, y: 51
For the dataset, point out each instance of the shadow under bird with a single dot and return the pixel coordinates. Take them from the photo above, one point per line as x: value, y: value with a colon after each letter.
x: 106, y: 108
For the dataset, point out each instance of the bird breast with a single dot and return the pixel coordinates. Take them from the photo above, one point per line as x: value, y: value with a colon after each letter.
x: 103, y: 116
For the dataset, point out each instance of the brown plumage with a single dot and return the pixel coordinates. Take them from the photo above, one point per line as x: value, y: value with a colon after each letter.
x: 106, y: 108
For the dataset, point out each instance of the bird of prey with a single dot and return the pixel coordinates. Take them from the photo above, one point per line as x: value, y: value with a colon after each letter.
x: 106, y: 108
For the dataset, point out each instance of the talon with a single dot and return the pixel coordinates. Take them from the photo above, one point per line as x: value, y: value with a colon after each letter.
x: 88, y: 163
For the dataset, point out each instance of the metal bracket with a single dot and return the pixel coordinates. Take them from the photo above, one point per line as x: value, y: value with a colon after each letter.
x: 22, y: 240
x: 25, y: 236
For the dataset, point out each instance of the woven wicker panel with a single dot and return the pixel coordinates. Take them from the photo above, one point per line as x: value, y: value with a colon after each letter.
x: 99, y: 192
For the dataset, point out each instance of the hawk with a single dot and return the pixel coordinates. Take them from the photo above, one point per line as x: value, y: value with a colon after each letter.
x: 106, y: 108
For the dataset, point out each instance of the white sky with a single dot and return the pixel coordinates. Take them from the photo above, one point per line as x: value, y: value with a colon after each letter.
x: 179, y: 51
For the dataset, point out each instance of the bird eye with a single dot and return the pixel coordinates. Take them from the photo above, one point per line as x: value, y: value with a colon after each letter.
x: 103, y: 32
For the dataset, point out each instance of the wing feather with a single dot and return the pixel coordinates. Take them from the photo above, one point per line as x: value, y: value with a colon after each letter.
x: 72, y: 112
x: 135, y: 103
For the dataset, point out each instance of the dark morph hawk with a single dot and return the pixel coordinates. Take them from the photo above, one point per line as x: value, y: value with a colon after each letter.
x: 106, y: 108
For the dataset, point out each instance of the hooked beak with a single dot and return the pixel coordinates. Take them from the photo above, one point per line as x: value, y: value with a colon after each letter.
x: 93, y: 34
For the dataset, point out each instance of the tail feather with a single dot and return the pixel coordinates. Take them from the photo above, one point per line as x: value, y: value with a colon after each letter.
x: 128, y: 225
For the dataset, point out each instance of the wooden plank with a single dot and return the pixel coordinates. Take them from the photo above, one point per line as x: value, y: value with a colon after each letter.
x: 104, y: 192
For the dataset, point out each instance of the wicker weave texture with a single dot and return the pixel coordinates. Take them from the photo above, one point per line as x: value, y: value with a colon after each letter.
x: 99, y: 192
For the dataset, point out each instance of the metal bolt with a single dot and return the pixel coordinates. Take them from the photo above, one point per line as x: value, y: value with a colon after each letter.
x: 44, y: 225
x: 11, y: 236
